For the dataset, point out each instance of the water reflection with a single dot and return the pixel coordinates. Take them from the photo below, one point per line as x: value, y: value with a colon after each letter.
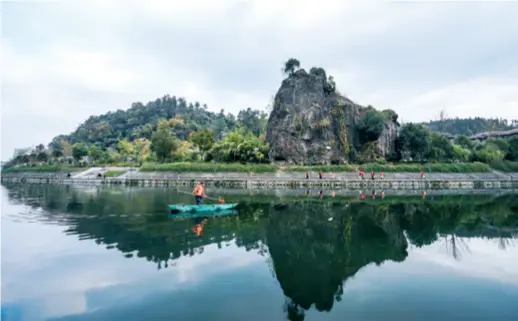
x: 313, y: 245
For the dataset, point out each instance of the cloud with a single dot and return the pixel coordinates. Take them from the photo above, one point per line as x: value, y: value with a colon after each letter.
x: 64, y: 61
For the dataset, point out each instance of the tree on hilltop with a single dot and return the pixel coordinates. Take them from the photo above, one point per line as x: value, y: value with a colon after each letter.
x: 291, y: 66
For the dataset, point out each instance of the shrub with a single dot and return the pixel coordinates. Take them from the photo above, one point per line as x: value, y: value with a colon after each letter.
x: 505, y: 166
x: 208, y: 167
x: 41, y: 169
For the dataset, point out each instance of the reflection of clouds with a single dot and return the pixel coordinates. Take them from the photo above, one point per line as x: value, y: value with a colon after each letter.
x: 51, y: 274
x: 484, y: 259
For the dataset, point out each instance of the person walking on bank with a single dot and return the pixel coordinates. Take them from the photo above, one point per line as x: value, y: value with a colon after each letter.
x: 199, y: 193
x: 320, y: 175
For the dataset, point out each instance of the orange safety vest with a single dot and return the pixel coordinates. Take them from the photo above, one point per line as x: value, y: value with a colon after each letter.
x: 198, y: 191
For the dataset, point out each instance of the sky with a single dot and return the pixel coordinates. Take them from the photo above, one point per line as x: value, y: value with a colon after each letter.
x: 62, y: 61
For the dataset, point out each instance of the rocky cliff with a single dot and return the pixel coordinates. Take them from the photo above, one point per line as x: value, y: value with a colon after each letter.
x: 311, y: 122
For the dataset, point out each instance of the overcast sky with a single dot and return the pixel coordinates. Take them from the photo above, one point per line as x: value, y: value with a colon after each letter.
x: 63, y: 61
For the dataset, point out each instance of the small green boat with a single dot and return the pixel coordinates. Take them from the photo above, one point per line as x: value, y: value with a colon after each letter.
x: 201, y: 208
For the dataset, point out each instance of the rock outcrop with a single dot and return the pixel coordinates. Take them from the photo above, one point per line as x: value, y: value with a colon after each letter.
x: 312, y: 123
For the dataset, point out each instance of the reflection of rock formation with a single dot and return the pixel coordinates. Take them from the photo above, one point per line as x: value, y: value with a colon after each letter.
x: 313, y: 256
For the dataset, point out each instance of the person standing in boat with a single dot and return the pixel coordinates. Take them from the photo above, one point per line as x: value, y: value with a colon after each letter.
x: 199, y: 193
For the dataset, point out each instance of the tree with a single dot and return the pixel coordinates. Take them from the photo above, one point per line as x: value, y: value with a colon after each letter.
x: 203, y: 139
x: 125, y: 148
x: 414, y: 141
x: 318, y: 71
x: 95, y: 153
x: 371, y: 126
x: 291, y: 65
x: 40, y: 148
x: 253, y: 120
x: 162, y: 144
x: 460, y: 153
x: 488, y: 154
x: 56, y: 153
x: 240, y: 147
x: 219, y: 127
x: 66, y: 148
x: 513, y: 149
x: 464, y: 141
x: 500, y: 143
x: 42, y: 156
x: 330, y: 85
x: 441, y: 148
x: 141, y: 149
x: 79, y: 150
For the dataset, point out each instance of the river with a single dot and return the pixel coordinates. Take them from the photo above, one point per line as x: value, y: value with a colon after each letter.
x: 117, y: 254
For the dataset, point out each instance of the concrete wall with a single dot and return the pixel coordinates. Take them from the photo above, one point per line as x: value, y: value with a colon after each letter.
x: 244, y: 181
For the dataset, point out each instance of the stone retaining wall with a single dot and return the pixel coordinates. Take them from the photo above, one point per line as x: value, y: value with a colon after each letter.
x: 259, y: 183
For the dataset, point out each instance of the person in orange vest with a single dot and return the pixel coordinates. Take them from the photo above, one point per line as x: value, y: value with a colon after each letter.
x: 199, y: 193
x: 198, y: 228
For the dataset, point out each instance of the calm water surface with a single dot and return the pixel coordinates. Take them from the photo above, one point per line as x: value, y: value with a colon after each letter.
x: 115, y: 254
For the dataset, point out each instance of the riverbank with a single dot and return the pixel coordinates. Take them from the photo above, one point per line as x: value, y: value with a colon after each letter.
x: 343, y: 180
x: 208, y: 167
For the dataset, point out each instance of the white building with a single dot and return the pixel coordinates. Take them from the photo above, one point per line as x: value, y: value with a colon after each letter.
x: 23, y: 151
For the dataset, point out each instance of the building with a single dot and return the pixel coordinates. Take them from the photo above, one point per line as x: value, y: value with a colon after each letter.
x: 23, y: 151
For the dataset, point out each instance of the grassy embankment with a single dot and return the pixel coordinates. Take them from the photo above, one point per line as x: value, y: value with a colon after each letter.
x: 266, y: 168
x: 503, y: 166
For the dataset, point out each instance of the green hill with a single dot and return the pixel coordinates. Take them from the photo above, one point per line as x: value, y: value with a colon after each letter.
x: 140, y: 121
x: 470, y: 126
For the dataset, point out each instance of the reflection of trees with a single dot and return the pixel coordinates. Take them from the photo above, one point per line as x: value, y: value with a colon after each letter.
x: 455, y: 245
x: 311, y: 246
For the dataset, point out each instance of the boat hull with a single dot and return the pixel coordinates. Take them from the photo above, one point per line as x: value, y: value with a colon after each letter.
x: 189, y: 215
x: 201, y: 208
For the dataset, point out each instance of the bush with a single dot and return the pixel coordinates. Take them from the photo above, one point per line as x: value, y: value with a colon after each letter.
x: 438, y: 168
x: 323, y: 168
x: 41, y: 169
x: 208, y: 167
x: 505, y: 166
x: 113, y: 173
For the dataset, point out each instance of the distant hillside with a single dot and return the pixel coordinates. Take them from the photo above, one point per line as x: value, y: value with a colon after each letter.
x: 470, y: 126
x: 140, y: 121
